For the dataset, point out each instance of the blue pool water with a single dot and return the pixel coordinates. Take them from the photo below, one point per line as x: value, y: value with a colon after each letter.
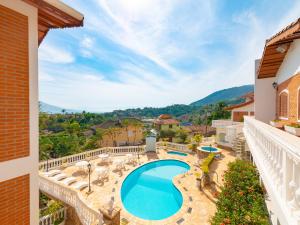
x: 209, y: 149
x: 177, y: 153
x: 149, y: 193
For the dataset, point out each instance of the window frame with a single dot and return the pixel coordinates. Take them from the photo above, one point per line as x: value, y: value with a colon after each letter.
x: 287, y: 105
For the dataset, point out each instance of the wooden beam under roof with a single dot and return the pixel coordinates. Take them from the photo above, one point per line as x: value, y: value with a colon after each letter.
x: 54, y: 14
x: 272, y: 58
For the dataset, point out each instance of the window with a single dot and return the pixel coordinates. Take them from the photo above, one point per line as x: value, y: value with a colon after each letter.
x: 283, y: 104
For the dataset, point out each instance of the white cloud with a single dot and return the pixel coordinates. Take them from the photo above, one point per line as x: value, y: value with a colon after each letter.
x: 164, y: 32
x: 45, y: 77
x: 54, y: 54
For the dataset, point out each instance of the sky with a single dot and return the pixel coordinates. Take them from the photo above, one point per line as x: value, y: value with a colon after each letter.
x: 137, y: 53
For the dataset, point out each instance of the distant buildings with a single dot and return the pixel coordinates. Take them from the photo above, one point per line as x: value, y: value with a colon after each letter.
x: 245, y: 108
x: 166, y: 122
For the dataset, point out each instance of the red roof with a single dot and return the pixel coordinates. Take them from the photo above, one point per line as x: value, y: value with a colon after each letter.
x: 164, y: 116
x: 166, y: 121
x: 239, y: 105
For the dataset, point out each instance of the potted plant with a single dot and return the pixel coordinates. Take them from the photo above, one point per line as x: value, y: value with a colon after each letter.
x: 276, y: 123
x: 293, y: 128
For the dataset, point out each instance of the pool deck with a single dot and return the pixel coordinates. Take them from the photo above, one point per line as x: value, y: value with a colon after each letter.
x: 198, y: 206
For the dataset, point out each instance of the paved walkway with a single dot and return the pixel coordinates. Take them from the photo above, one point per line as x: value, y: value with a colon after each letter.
x: 197, y: 209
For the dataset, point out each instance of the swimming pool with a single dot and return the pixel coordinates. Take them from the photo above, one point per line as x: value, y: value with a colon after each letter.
x: 177, y: 153
x: 209, y: 149
x: 149, y: 193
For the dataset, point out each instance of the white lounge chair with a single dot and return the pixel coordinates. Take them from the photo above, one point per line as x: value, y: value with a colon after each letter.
x: 59, y: 176
x: 80, y: 185
x: 69, y: 180
x: 52, y: 173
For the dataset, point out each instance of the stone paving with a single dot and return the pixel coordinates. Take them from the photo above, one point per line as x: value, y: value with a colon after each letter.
x: 198, y: 206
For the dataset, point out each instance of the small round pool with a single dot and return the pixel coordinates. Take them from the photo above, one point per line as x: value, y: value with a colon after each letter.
x: 148, y: 192
x: 209, y: 149
x: 176, y: 153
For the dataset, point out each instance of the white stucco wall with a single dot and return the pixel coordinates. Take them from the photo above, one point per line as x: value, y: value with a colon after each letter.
x: 264, y: 98
x: 291, y: 63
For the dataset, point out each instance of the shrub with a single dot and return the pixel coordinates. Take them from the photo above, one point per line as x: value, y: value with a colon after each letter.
x: 207, y: 161
x: 295, y: 125
x: 241, y: 200
x: 53, y: 206
x: 193, y: 147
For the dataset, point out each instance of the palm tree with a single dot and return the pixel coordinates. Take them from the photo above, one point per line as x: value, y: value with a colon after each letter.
x: 99, y: 136
x: 112, y: 132
x: 137, y: 125
x: 126, y: 123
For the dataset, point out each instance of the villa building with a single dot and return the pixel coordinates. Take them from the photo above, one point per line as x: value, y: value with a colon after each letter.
x: 275, y: 152
x: 23, y: 26
x: 166, y: 122
x: 227, y: 131
x: 246, y: 108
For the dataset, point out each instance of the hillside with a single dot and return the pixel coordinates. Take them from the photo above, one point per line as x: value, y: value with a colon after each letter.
x: 52, y: 109
x: 229, y: 95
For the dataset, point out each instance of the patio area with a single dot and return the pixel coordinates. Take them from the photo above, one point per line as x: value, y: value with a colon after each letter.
x: 108, y: 174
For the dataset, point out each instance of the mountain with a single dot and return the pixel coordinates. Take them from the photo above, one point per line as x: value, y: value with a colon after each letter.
x: 52, y: 109
x: 229, y: 95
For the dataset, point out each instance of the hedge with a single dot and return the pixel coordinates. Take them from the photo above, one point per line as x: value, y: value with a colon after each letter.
x: 241, y: 200
x: 206, y: 162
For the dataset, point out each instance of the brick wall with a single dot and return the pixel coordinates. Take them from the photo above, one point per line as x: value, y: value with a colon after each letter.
x: 292, y: 86
x: 14, y: 201
x: 14, y: 85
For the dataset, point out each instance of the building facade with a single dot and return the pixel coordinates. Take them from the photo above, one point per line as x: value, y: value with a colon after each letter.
x: 116, y: 134
x: 275, y: 152
x: 166, y: 122
x: 245, y: 108
x: 23, y: 25
x: 227, y: 131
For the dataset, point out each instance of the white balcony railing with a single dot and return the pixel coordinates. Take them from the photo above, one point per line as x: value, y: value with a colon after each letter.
x: 88, y: 155
x: 86, y: 214
x: 277, y: 157
x: 52, y: 218
x: 223, y: 123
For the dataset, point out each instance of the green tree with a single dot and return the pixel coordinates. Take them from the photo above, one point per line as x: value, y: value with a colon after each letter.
x: 197, y: 138
x: 167, y: 134
x: 181, y: 135
x: 45, y: 147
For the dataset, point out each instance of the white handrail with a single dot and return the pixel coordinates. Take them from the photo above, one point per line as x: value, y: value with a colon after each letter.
x: 222, y: 123
x: 72, y: 159
x: 277, y: 157
x: 51, y: 218
x: 86, y: 214
x: 174, y: 146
